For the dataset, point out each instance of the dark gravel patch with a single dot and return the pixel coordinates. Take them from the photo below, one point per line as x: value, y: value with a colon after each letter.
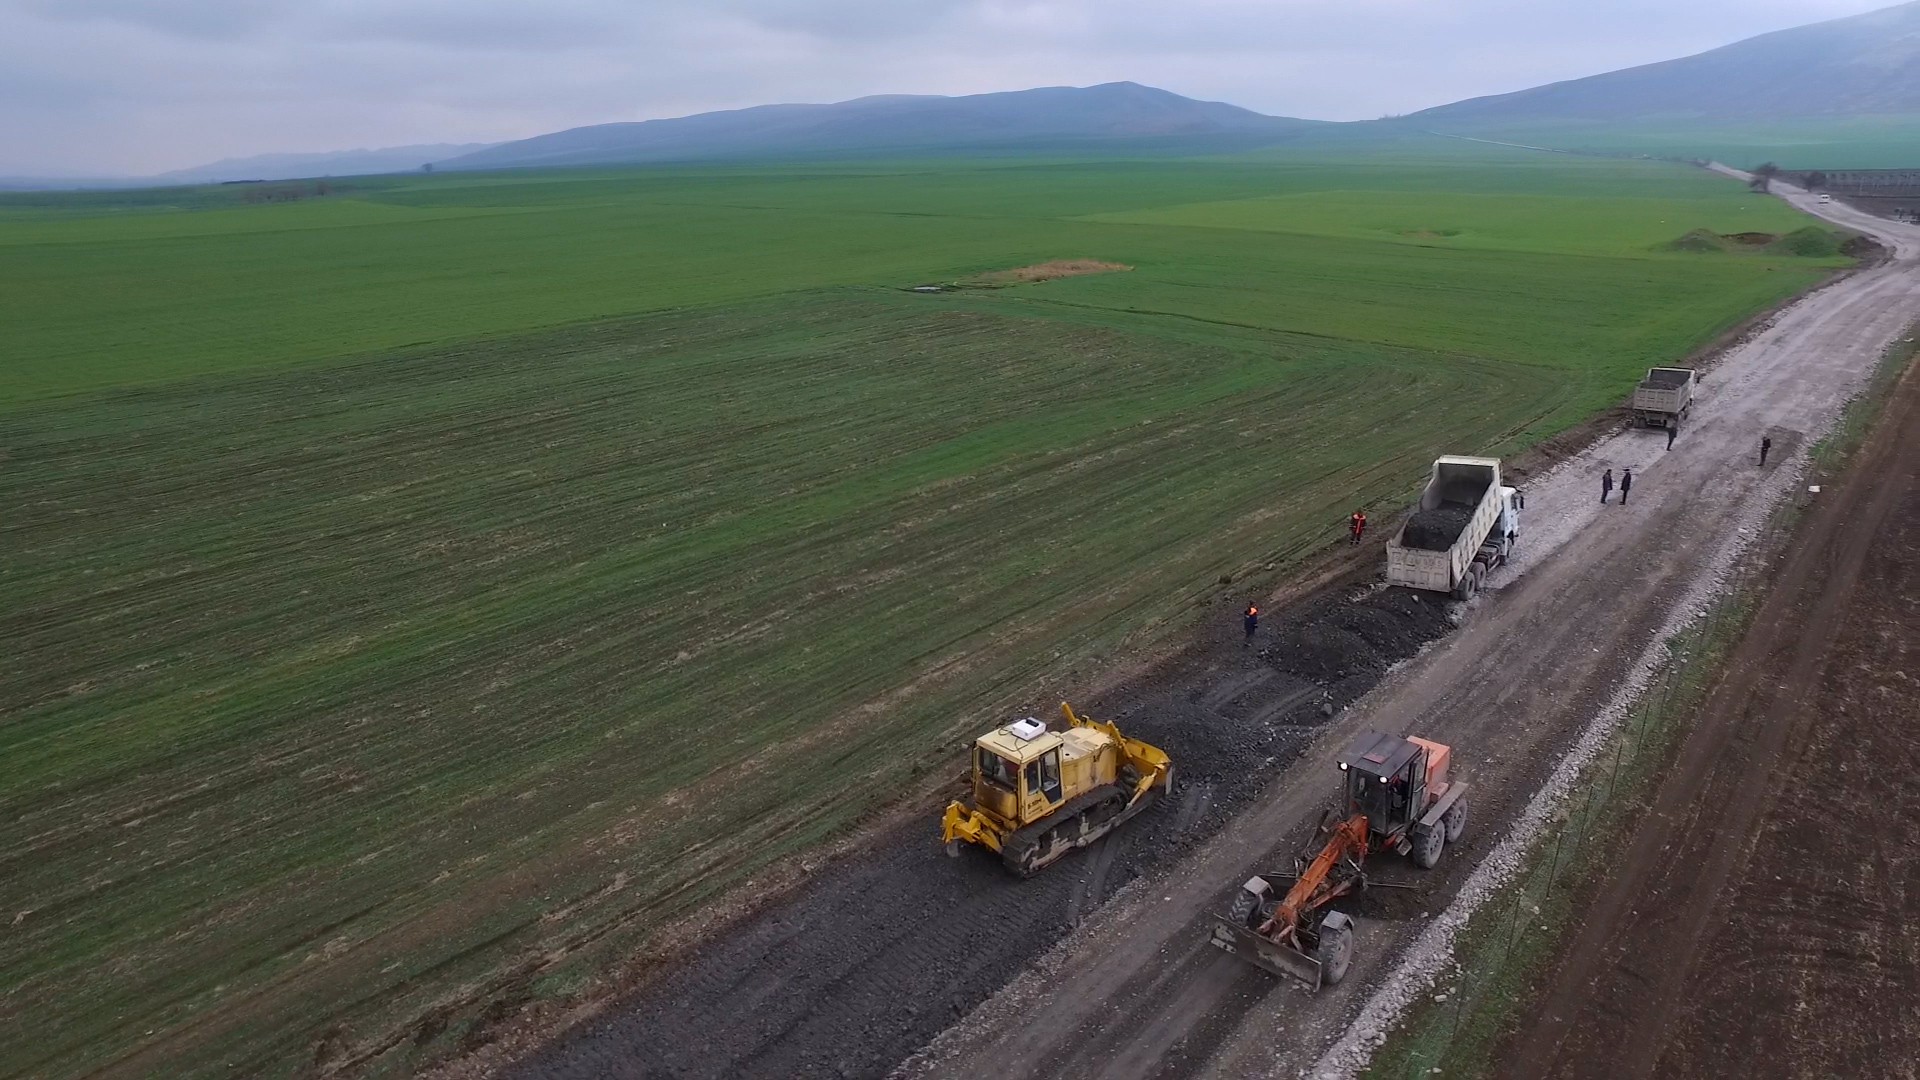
x: 1437, y: 529
x: 879, y: 953
x: 1664, y: 379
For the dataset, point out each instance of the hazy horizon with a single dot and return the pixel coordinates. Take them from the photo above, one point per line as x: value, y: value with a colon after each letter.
x: 119, y: 88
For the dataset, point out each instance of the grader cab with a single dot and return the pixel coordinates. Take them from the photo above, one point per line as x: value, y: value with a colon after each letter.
x: 1396, y: 795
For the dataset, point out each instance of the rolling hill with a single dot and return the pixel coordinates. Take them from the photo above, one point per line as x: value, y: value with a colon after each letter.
x: 1863, y: 65
x: 1123, y: 113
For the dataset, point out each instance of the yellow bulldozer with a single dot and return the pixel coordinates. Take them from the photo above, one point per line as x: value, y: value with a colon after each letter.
x: 1038, y: 794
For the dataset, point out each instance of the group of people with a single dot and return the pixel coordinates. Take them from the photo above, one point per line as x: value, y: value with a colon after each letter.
x: 1357, y: 524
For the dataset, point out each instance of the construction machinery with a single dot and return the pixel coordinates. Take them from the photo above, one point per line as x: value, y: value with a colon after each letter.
x: 1465, y: 526
x: 1663, y: 397
x: 1038, y: 794
x: 1397, y: 796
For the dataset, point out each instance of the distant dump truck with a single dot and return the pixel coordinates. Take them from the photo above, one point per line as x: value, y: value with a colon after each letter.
x: 1465, y: 525
x: 1663, y: 397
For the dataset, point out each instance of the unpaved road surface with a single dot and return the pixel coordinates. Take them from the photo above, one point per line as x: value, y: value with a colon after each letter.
x: 1140, y: 993
x: 1766, y: 919
x: 877, y: 954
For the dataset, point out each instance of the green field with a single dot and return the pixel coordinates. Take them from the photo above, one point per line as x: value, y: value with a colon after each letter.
x: 417, y: 594
x: 1827, y: 142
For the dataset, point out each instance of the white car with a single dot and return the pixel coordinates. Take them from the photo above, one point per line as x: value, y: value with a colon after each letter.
x: 1826, y: 198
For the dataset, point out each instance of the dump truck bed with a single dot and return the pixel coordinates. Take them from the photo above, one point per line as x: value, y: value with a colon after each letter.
x: 1663, y: 393
x: 1462, y: 499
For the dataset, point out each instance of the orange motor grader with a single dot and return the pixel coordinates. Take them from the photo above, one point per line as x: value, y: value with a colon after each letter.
x: 1396, y: 797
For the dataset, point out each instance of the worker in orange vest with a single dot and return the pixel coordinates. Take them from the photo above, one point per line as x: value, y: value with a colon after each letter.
x: 1253, y: 623
x: 1357, y: 525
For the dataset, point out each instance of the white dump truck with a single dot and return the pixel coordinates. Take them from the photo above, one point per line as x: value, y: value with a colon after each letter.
x: 1465, y: 525
x: 1663, y: 397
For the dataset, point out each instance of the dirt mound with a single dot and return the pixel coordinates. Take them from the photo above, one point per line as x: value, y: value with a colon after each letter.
x: 1342, y: 641
x: 1811, y: 242
x: 1438, y: 528
x: 1699, y: 240
x: 1048, y: 271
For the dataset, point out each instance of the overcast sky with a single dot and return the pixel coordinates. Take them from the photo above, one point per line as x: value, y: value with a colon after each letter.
x: 103, y: 87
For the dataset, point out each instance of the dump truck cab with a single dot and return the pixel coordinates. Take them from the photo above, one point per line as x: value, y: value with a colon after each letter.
x: 1039, y: 793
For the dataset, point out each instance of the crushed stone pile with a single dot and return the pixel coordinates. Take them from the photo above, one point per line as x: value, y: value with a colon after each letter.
x: 1347, y: 645
x: 1437, y: 529
x: 1664, y: 379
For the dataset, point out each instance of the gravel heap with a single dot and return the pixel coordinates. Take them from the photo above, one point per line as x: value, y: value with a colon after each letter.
x: 1665, y: 379
x: 1437, y: 529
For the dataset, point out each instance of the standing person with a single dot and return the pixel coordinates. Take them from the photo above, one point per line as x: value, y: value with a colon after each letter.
x: 1673, y: 428
x: 1766, y: 444
x: 1357, y: 525
x: 1606, y: 485
x: 1253, y: 623
x: 1626, y: 485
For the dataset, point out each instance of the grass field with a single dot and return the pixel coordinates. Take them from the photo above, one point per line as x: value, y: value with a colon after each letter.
x: 417, y: 594
x: 1852, y: 142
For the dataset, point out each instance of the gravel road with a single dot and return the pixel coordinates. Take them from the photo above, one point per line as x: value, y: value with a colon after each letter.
x: 1138, y: 992
x: 1751, y: 927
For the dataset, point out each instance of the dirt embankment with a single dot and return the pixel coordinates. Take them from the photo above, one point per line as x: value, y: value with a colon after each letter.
x: 1764, y: 920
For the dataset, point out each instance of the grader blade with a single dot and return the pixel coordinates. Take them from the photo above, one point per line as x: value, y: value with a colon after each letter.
x: 1270, y: 956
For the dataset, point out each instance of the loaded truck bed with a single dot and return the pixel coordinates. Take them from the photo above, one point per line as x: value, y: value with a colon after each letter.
x: 1663, y: 397
x: 1464, y: 526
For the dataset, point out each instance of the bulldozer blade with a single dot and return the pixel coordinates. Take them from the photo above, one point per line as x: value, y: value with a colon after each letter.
x: 1268, y: 956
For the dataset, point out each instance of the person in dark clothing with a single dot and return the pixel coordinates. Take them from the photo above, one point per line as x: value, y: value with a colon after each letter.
x: 1626, y: 485
x: 1357, y: 526
x: 1606, y: 485
x: 1673, y: 428
x: 1253, y: 623
x: 1766, y: 444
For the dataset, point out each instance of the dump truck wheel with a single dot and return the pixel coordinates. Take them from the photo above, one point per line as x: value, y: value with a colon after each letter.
x: 1335, y: 954
x: 1479, y: 576
x: 1427, y: 847
x: 1455, y: 819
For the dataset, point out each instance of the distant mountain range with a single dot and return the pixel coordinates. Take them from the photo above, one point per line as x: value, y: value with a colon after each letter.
x: 1121, y: 112
x: 336, y: 163
x: 1862, y: 65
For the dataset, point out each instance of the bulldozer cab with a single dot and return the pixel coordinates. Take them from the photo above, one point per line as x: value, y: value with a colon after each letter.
x: 1016, y: 772
x: 1385, y: 779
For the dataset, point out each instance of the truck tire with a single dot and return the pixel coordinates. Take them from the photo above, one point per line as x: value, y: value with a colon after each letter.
x: 1427, y: 847
x: 1464, y: 590
x: 1479, y: 576
x: 1336, y: 950
x: 1245, y: 910
x: 1455, y: 819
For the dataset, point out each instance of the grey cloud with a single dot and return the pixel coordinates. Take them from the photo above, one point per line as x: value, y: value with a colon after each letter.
x: 134, y: 86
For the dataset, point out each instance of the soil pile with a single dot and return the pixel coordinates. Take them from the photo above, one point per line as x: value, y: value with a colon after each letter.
x: 1347, y: 645
x: 1664, y: 379
x: 1437, y: 529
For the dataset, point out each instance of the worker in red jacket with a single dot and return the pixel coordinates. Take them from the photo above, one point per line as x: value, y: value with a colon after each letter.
x: 1357, y: 526
x: 1252, y: 623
